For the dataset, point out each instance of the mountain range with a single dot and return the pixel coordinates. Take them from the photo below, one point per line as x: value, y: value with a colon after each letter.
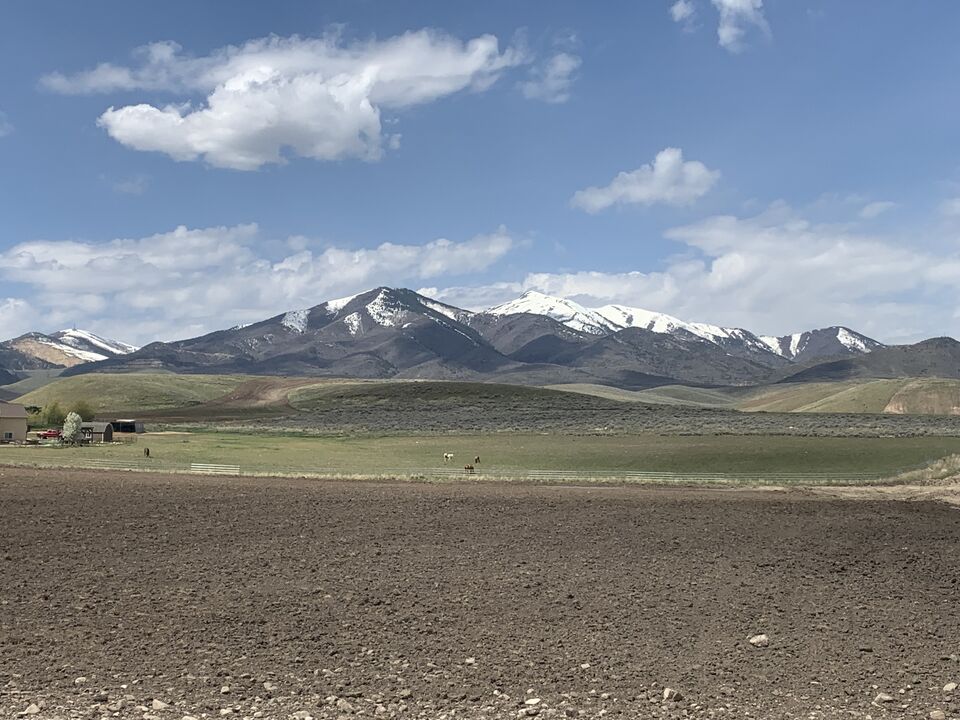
x: 534, y: 339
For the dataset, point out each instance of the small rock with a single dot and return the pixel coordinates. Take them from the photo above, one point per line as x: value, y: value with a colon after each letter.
x: 225, y: 690
x: 883, y: 698
x: 188, y: 717
x: 470, y: 661
x: 405, y: 693
x: 671, y: 694
x: 344, y: 706
x: 226, y: 711
x: 80, y: 680
x: 269, y: 686
x: 158, y: 704
x: 949, y: 687
x: 760, y: 640
x: 938, y: 715
x: 533, y: 710
x: 32, y: 709
x: 584, y: 666
x: 532, y: 701
x: 302, y: 715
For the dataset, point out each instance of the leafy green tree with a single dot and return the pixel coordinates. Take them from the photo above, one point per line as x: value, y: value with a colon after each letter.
x: 72, y: 429
x: 84, y: 410
x: 53, y: 415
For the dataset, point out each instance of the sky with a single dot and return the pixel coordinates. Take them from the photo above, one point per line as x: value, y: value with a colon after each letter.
x: 170, y: 169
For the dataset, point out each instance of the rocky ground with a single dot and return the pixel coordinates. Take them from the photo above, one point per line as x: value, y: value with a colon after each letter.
x: 139, y: 596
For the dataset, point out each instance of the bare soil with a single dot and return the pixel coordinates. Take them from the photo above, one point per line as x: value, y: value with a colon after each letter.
x: 294, y: 598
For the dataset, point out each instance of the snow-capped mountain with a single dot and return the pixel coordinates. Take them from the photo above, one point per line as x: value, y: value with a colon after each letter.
x: 86, y: 342
x: 799, y: 347
x: 613, y: 318
x: 398, y: 333
x: 568, y: 312
x: 65, y: 348
x: 824, y: 342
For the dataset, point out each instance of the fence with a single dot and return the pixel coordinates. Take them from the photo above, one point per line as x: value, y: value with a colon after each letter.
x: 499, y: 474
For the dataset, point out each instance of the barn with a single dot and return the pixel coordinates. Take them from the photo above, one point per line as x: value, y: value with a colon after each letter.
x: 128, y: 425
x: 97, y: 432
x: 13, y: 422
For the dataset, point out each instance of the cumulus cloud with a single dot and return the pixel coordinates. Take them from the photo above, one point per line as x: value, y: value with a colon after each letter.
x: 683, y: 12
x: 551, y: 81
x: 774, y: 273
x: 6, y: 127
x: 669, y: 180
x: 736, y: 17
x: 190, y: 281
x: 15, y: 317
x: 318, y: 98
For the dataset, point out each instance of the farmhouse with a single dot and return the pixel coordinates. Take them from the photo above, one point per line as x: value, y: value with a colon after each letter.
x: 13, y: 423
x: 97, y: 432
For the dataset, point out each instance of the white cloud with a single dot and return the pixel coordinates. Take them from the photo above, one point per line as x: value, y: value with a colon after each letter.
x: 950, y: 207
x: 684, y: 12
x: 875, y: 209
x: 736, y: 16
x: 15, y: 317
x: 551, y: 81
x: 318, y: 98
x: 6, y: 127
x: 187, y: 282
x: 669, y: 180
x: 136, y: 185
x: 772, y: 273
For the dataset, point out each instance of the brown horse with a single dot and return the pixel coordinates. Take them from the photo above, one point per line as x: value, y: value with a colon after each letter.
x: 468, y: 468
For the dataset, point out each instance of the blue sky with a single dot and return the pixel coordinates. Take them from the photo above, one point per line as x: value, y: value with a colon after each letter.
x: 172, y: 168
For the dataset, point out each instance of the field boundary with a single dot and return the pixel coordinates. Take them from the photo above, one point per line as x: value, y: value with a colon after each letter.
x: 495, y: 474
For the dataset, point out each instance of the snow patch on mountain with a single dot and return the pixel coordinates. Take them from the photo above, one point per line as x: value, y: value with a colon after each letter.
x: 84, y: 355
x: 339, y: 304
x: 568, y: 312
x: 447, y: 310
x: 79, y: 338
x: 851, y: 341
x: 382, y: 313
x: 353, y: 323
x: 296, y: 320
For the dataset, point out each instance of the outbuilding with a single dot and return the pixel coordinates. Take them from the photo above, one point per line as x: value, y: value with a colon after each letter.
x: 13, y: 422
x: 127, y: 425
x: 97, y: 432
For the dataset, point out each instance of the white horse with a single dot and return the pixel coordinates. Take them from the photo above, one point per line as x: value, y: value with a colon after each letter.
x: 447, y: 457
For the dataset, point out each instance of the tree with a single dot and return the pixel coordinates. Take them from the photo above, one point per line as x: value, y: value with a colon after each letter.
x: 84, y: 410
x: 53, y: 416
x: 72, y: 429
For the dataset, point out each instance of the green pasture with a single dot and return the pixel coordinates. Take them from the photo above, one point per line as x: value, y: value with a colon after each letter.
x: 508, y: 452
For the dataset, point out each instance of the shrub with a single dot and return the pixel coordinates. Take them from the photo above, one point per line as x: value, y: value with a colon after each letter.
x: 53, y: 416
x: 84, y: 410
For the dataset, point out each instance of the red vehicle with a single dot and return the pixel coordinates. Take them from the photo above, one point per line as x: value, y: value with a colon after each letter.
x: 49, y: 434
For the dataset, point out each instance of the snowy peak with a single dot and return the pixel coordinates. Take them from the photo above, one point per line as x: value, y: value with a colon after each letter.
x: 613, y: 318
x: 568, y: 312
x: 89, y: 342
x: 68, y: 348
x: 821, y: 343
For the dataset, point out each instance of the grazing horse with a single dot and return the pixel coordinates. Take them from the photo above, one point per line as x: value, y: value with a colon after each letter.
x: 476, y: 460
x: 447, y: 457
x: 468, y: 468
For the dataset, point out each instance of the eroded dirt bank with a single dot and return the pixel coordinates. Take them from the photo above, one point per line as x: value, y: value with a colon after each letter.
x: 140, y: 596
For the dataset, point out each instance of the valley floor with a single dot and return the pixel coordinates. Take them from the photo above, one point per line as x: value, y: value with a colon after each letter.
x: 137, y: 595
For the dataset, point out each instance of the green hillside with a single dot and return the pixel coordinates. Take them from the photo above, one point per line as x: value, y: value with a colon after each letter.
x: 133, y: 392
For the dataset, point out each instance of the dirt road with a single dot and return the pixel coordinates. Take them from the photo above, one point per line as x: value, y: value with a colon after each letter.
x: 138, y: 596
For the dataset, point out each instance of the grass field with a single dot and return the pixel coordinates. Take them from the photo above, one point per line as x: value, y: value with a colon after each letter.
x: 134, y: 392
x: 514, y: 452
